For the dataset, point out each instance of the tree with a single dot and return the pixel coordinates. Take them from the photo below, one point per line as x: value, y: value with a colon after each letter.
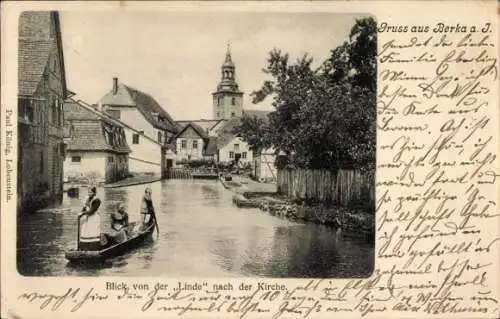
x: 323, y: 118
x: 255, y: 131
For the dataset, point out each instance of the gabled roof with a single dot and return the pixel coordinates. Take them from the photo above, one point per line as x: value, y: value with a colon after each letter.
x: 226, y: 134
x: 207, y: 125
x: 39, y: 35
x: 198, y: 129
x: 107, y: 117
x: 87, y: 130
x: 122, y: 97
x: 146, y: 104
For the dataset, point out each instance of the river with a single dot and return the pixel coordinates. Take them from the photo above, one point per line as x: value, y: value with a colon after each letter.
x: 201, y: 234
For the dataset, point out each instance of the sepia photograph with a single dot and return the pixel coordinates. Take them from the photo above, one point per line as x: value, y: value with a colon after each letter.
x: 215, y: 144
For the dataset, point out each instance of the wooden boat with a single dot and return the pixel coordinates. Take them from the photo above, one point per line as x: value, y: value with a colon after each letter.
x: 75, y: 255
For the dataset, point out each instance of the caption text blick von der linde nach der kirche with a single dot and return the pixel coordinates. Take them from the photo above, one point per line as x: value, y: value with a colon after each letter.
x: 437, y: 215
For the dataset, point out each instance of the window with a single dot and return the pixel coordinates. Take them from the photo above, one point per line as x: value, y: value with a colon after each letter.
x: 116, y: 114
x: 219, y: 101
x: 52, y: 112
x: 135, y: 139
x: 231, y: 154
x: 244, y: 155
x: 183, y: 144
x: 110, y: 159
x: 61, y: 119
x: 233, y: 101
x: 232, y: 114
x: 159, y: 137
x: 218, y: 114
x: 76, y: 159
x: 236, y: 148
x: 195, y: 144
x: 25, y: 110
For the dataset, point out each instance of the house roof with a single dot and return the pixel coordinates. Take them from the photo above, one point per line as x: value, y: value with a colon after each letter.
x: 32, y: 60
x: 145, y: 103
x: 104, y: 115
x: 88, y: 135
x: 87, y: 130
x: 74, y: 111
x: 197, y: 128
x: 39, y: 35
x: 207, y: 125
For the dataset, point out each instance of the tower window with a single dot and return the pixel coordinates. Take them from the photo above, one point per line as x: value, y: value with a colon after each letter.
x: 233, y: 114
x: 233, y: 101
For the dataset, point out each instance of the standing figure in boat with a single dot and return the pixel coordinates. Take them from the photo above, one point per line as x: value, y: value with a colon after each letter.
x: 147, y: 209
x: 90, y: 222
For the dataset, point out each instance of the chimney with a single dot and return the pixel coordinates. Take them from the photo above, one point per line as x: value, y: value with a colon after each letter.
x: 115, y: 86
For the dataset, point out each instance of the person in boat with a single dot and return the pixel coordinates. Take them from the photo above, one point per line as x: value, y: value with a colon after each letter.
x: 90, y: 222
x: 147, y: 209
x: 120, y: 230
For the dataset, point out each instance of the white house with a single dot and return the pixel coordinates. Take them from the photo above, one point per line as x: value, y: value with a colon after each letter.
x: 140, y: 111
x: 194, y: 143
x: 147, y: 155
x: 97, y: 149
x: 233, y: 148
x: 191, y: 142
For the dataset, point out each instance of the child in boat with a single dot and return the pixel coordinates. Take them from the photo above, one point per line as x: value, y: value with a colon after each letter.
x: 90, y: 222
x: 120, y: 227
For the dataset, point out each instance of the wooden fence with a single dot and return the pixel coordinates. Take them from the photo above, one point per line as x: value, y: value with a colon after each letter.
x: 344, y: 187
x: 178, y: 173
x: 189, y: 173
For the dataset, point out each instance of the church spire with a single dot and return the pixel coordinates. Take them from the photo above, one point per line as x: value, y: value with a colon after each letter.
x: 228, y: 99
x: 228, y: 62
x: 228, y: 52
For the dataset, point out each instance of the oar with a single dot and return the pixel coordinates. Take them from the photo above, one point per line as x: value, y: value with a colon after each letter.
x: 78, y: 233
x: 156, y: 224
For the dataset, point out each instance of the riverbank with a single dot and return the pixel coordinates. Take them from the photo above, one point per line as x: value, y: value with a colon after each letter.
x: 242, y: 184
x: 137, y: 179
x: 252, y: 194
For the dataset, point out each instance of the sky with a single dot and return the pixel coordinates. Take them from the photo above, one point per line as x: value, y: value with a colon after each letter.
x: 176, y: 56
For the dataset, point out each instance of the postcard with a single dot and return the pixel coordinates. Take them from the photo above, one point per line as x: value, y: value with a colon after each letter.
x: 250, y: 160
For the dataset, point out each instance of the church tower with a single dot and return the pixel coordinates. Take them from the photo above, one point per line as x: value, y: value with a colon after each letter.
x: 228, y: 99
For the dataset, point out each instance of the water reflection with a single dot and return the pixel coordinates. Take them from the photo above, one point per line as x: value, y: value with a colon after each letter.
x: 201, y: 234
